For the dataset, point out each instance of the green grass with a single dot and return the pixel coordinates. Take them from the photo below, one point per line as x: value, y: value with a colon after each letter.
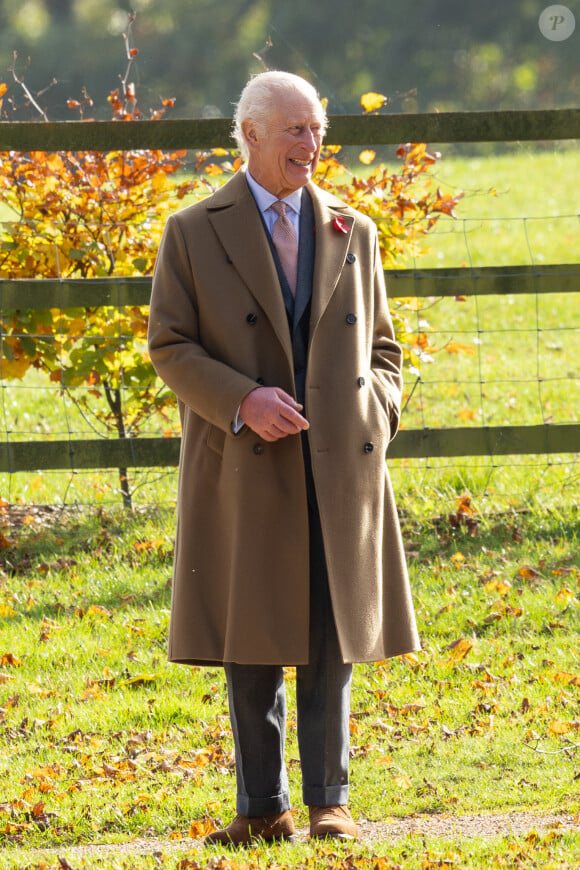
x: 553, y: 849
x: 101, y: 740
x: 519, y: 208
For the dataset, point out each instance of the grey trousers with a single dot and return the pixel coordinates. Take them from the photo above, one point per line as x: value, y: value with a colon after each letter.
x: 257, y: 702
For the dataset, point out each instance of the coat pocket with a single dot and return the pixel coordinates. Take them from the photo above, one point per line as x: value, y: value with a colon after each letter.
x: 215, y: 440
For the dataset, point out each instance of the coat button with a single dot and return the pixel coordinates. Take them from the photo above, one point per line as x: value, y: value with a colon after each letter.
x: 351, y: 258
x: 361, y: 382
x: 252, y: 318
x: 258, y: 449
x: 260, y: 381
x: 350, y: 318
x: 369, y: 447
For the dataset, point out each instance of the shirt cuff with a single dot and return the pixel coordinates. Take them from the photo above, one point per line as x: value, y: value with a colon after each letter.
x: 237, y: 423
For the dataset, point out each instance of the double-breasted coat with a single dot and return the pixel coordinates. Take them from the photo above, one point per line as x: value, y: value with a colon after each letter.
x: 217, y: 329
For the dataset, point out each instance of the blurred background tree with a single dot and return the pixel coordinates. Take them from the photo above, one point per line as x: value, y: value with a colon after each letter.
x: 455, y: 55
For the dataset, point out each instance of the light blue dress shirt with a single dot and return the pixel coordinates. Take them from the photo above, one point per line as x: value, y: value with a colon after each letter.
x: 264, y: 199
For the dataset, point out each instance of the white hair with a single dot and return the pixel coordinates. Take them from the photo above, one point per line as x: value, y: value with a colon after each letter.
x: 262, y: 93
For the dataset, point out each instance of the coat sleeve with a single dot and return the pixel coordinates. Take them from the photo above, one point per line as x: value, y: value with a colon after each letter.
x: 211, y: 388
x: 386, y: 355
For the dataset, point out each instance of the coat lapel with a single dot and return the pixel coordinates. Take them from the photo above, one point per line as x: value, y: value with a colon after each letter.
x: 233, y: 213
x: 236, y: 220
x: 331, y: 248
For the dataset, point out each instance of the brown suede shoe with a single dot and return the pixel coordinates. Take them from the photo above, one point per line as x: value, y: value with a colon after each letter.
x: 332, y: 822
x: 248, y: 829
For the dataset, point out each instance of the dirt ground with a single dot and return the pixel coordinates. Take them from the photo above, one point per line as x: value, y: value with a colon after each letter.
x: 488, y: 825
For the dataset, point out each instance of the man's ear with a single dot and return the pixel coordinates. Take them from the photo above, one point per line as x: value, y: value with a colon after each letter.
x: 250, y: 133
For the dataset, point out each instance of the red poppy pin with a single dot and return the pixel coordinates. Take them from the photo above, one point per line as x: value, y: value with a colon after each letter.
x: 341, y: 225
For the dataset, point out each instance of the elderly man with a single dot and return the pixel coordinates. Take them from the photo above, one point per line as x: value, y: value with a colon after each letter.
x: 269, y: 320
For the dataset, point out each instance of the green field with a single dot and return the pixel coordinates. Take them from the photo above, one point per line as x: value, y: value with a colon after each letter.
x: 519, y: 208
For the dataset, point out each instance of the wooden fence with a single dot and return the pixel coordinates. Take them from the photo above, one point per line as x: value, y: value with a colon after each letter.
x: 344, y: 130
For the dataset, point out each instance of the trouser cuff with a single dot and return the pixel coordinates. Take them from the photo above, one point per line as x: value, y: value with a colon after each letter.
x: 265, y: 806
x: 325, y: 796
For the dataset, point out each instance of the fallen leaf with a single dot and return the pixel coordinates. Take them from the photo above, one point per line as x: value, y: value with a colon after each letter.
x: 564, y: 595
x: 200, y: 828
x: 459, y: 649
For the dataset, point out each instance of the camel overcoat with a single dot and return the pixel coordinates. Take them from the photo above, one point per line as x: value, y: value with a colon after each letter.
x: 218, y: 328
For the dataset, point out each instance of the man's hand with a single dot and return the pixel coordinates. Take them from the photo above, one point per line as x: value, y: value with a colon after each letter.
x: 272, y: 414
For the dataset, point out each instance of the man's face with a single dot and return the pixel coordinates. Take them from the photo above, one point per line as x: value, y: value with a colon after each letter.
x: 284, y: 154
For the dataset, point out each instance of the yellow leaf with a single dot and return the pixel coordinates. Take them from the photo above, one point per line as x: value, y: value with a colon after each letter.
x: 402, y: 780
x: 411, y: 303
x: 40, y: 691
x: 15, y: 368
x: 560, y: 727
x: 372, y: 101
x: 564, y: 595
x: 459, y: 347
x: 459, y: 649
x: 367, y: 157
x: 529, y: 573
x: 10, y: 660
x: 200, y: 828
x: 569, y: 679
x: 98, y: 610
x: 142, y: 799
x: 6, y: 611
x: 77, y: 326
x: 46, y: 772
x: 92, y: 693
x: 386, y: 759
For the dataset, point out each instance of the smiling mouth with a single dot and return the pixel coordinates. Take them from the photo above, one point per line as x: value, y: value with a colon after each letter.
x: 300, y: 162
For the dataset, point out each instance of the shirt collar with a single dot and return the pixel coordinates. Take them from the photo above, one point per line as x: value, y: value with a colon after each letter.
x: 265, y: 199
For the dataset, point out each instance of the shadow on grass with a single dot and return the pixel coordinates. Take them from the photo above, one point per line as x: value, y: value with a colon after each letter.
x: 512, y: 530
x: 56, y: 542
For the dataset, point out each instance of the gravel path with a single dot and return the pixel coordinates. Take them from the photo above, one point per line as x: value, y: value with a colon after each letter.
x: 487, y: 825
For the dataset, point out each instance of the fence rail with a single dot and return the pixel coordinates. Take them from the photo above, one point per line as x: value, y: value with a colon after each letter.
x: 402, y: 283
x: 344, y: 130
x: 512, y: 126
x: 75, y: 455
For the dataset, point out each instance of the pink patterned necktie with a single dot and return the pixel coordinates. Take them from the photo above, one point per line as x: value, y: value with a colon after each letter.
x: 286, y: 243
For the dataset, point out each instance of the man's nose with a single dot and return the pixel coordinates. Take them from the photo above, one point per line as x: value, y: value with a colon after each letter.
x: 309, y: 139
